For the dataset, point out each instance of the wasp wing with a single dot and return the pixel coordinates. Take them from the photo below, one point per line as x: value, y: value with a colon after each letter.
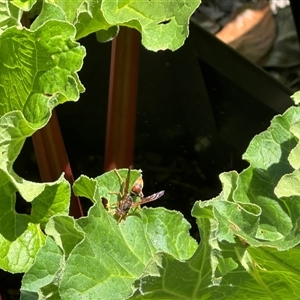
x: 150, y: 198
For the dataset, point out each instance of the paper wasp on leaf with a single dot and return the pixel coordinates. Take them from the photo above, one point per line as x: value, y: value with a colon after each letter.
x: 126, y: 202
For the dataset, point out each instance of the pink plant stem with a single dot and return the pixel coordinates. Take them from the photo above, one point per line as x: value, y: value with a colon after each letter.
x: 123, y: 85
x: 52, y: 158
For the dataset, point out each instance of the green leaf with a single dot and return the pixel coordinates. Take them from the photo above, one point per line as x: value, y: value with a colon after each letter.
x: 106, y: 257
x: 90, y: 19
x: 163, y: 24
x: 66, y: 233
x: 268, y: 155
x: 254, y: 224
x: 70, y: 8
x: 296, y: 97
x: 107, y: 35
x: 24, y: 4
x: 294, y: 154
x: 49, y: 11
x: 21, y: 235
x: 45, y: 269
x: 41, y: 71
x: 288, y: 186
x: 223, y: 271
x: 44, y: 276
x: 116, y: 255
x: 249, y: 237
x: 9, y: 15
x: 39, y: 74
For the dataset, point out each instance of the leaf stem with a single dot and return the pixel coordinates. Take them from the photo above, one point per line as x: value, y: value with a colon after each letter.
x: 121, y: 115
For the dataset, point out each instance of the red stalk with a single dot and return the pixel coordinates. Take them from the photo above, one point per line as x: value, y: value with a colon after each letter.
x: 52, y: 158
x: 123, y: 85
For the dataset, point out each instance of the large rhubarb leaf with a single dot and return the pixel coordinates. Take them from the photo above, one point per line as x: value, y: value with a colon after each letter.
x: 38, y: 72
x: 162, y: 24
x: 106, y: 257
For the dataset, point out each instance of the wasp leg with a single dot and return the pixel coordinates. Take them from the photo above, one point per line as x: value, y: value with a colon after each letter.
x: 120, y: 219
x: 118, y: 174
x: 116, y: 193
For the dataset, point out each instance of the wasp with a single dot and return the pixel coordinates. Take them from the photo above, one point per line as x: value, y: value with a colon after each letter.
x: 126, y: 202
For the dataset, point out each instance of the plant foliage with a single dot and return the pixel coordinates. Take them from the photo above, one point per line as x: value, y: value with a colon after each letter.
x: 250, y: 233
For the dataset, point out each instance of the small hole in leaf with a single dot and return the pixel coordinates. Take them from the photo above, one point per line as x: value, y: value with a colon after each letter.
x: 22, y: 206
x: 165, y: 22
x: 104, y: 202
